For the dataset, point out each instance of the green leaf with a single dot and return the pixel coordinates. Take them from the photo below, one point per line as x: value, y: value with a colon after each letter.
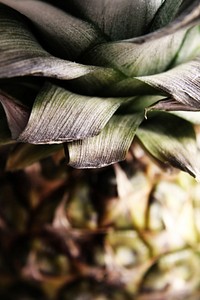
x: 130, y: 56
x: 191, y: 116
x: 98, y: 83
x: 22, y: 55
x: 121, y: 19
x: 172, y: 141
x: 190, y: 16
x: 139, y: 104
x: 63, y: 34
x: 190, y: 47
x: 130, y: 87
x: 165, y: 14
x: 134, y: 59
x: 180, y: 83
x: 111, y: 83
x: 23, y: 155
x: 59, y: 115
x: 110, y: 146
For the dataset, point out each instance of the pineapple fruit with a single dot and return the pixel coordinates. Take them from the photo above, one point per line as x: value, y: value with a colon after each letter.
x: 128, y: 231
x: 92, y: 84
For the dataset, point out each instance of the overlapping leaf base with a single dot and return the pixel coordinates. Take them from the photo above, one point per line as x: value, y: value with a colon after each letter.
x: 101, y: 70
x: 130, y: 231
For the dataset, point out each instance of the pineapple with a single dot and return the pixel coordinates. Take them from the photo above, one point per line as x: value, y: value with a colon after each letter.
x: 111, y: 87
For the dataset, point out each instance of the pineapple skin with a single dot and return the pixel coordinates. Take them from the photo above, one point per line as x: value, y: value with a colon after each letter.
x: 128, y: 230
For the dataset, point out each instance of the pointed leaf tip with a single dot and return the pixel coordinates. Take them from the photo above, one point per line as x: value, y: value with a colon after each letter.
x: 172, y: 141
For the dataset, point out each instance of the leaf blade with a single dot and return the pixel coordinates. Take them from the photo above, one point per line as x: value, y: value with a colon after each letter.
x: 165, y: 14
x: 131, y: 58
x: 110, y: 146
x: 23, y: 155
x: 21, y: 54
x: 64, y: 34
x: 59, y: 115
x: 124, y: 19
x: 17, y: 114
x: 180, y: 83
x: 189, y: 17
x: 172, y: 141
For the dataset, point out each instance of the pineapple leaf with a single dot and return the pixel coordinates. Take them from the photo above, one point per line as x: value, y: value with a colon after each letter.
x: 22, y: 55
x: 121, y: 19
x: 17, y: 114
x: 132, y: 59
x: 23, y: 155
x: 169, y: 105
x: 165, y: 14
x: 63, y: 34
x: 181, y: 83
x: 172, y: 141
x: 111, y: 83
x: 190, y: 47
x: 190, y: 16
x: 191, y: 116
x: 110, y: 146
x: 5, y: 135
x: 59, y: 115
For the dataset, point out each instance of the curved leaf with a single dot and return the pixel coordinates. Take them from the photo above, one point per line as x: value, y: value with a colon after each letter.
x: 98, y: 83
x: 189, y: 17
x: 165, y: 14
x: 121, y: 19
x: 111, y: 84
x: 190, y: 47
x: 176, y: 108
x: 59, y: 115
x: 5, y: 135
x: 22, y: 55
x: 23, y: 155
x: 17, y: 114
x: 168, y: 104
x: 172, y: 141
x: 110, y: 146
x: 130, y: 87
x: 191, y: 116
x: 149, y: 58
x: 64, y: 34
x: 138, y: 59
x: 181, y: 83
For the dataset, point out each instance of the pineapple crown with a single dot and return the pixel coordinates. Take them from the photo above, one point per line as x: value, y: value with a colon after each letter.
x: 93, y: 76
